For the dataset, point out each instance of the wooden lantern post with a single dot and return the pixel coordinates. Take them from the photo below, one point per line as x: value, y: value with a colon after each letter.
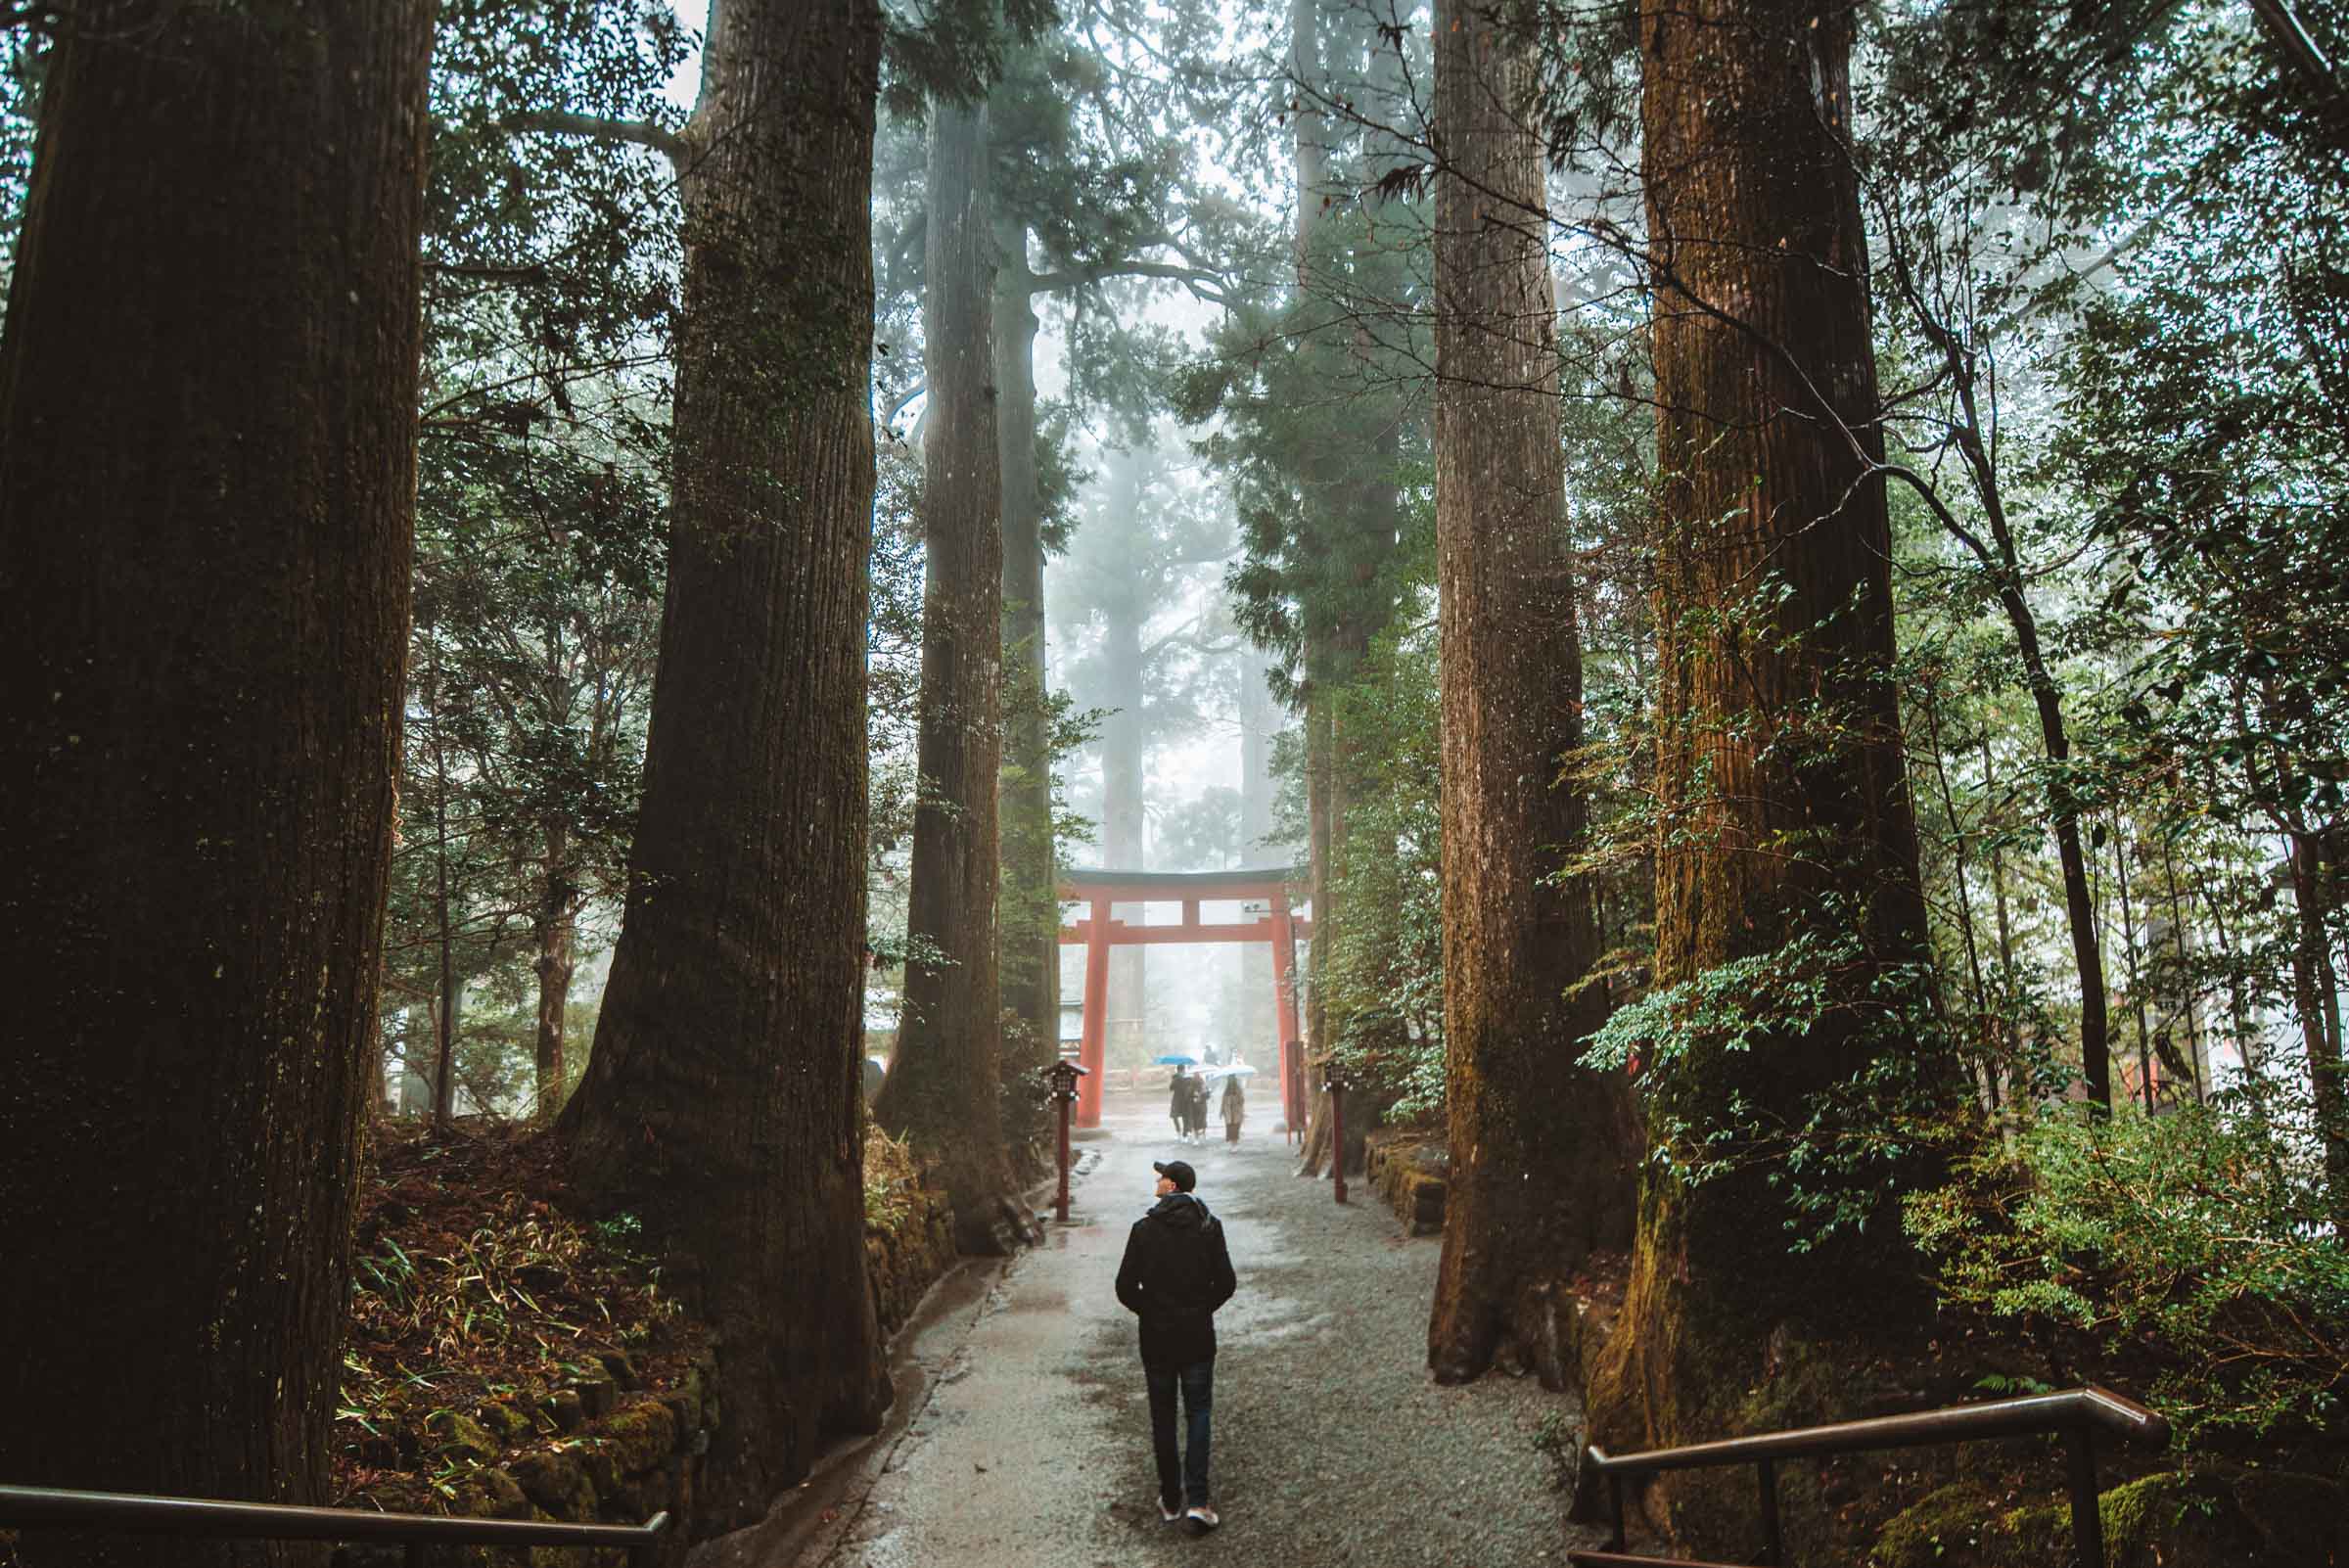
x: 1065, y: 1075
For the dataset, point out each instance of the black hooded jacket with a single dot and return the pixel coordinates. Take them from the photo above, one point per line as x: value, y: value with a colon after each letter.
x: 1177, y: 1272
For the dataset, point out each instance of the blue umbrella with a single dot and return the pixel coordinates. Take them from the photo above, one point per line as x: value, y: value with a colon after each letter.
x: 1169, y: 1061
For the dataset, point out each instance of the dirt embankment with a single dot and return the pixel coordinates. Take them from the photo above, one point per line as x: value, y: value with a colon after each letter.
x: 509, y: 1356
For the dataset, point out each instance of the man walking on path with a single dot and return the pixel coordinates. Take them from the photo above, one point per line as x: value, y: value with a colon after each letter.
x: 1176, y: 1272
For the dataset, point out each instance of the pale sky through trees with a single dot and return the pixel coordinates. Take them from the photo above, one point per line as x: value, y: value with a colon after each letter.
x: 1180, y: 773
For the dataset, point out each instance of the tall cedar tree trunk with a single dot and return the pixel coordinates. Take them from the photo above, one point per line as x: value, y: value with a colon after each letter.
x: 1321, y: 836
x: 2317, y: 999
x: 1542, y: 1148
x: 943, y: 1088
x: 207, y: 417
x: 449, y: 997
x: 1028, y: 907
x: 1310, y: 159
x: 1779, y: 766
x: 1260, y: 719
x: 553, y: 930
x: 1124, y: 845
x: 721, y: 1102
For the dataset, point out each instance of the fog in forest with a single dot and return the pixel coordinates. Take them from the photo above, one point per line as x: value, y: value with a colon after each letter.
x: 662, y: 664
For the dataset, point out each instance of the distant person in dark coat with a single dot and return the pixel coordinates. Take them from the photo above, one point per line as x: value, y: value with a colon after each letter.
x: 1179, y: 1104
x: 1177, y: 1272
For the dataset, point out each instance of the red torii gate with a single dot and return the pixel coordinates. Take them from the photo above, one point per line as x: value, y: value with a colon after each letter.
x: 1099, y: 933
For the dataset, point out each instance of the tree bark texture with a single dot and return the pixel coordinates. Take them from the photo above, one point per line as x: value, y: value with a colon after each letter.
x: 554, y: 931
x: 207, y: 413
x: 2317, y: 1000
x: 1028, y: 912
x: 943, y: 1088
x: 721, y: 1102
x: 1542, y: 1148
x: 1784, y: 808
x: 1320, y: 825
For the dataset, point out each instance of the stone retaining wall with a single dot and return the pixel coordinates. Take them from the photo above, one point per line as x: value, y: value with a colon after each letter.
x: 1410, y: 1170
x: 904, y: 1260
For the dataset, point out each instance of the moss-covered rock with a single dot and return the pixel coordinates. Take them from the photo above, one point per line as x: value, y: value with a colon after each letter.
x: 2169, y: 1520
x: 559, y: 1484
x: 1410, y: 1171
x: 909, y: 1254
x: 2298, y: 1518
x: 459, y: 1436
x: 504, y: 1422
x: 1947, y: 1527
x: 639, y: 1437
x: 494, y: 1493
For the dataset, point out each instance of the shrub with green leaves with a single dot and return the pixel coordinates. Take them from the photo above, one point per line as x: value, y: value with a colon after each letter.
x: 2197, y: 1240
x: 1712, y: 1053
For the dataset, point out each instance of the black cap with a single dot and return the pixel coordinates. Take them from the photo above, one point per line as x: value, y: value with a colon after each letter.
x: 1178, y: 1171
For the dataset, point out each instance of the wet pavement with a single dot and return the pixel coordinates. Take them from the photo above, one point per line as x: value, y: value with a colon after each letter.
x: 1024, y: 1443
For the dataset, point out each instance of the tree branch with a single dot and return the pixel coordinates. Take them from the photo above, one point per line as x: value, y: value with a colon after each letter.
x: 2301, y: 53
x: 1203, y: 282
x: 643, y: 133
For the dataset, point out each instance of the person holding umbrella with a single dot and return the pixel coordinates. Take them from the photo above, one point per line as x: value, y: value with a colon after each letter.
x: 1234, y: 1106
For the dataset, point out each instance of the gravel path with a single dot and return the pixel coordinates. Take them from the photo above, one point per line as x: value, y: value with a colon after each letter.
x: 1331, y: 1444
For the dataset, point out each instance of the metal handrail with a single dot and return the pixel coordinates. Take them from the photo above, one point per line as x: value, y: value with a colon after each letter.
x: 53, y: 1509
x: 2076, y: 1413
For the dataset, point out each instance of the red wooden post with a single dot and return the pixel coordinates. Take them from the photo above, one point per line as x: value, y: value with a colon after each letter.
x: 1093, y: 1043
x: 1284, y: 1012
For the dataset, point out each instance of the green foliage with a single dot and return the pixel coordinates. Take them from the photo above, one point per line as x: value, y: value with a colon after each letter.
x: 891, y: 1178
x: 1833, y: 1153
x: 954, y: 49
x: 1382, y: 976
x: 543, y: 483
x: 480, y: 1294
x: 2197, y: 1240
x: 1558, y: 1438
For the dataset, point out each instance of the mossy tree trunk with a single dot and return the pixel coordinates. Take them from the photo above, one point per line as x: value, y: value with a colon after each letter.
x: 1785, y: 813
x: 943, y: 1088
x: 1542, y: 1148
x: 207, y: 436
x: 720, y: 1102
x: 1028, y: 907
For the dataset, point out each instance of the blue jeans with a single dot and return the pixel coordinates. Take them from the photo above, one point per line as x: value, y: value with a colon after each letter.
x: 1183, y: 1479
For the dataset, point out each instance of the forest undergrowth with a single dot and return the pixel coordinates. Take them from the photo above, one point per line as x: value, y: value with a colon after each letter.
x: 497, y: 1328
x: 488, y: 1318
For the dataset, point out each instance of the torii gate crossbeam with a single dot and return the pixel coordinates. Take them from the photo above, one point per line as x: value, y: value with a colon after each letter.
x: 1099, y: 933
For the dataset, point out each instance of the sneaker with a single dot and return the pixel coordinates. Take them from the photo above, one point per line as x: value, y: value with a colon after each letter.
x: 1169, y: 1512
x: 1200, y: 1519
